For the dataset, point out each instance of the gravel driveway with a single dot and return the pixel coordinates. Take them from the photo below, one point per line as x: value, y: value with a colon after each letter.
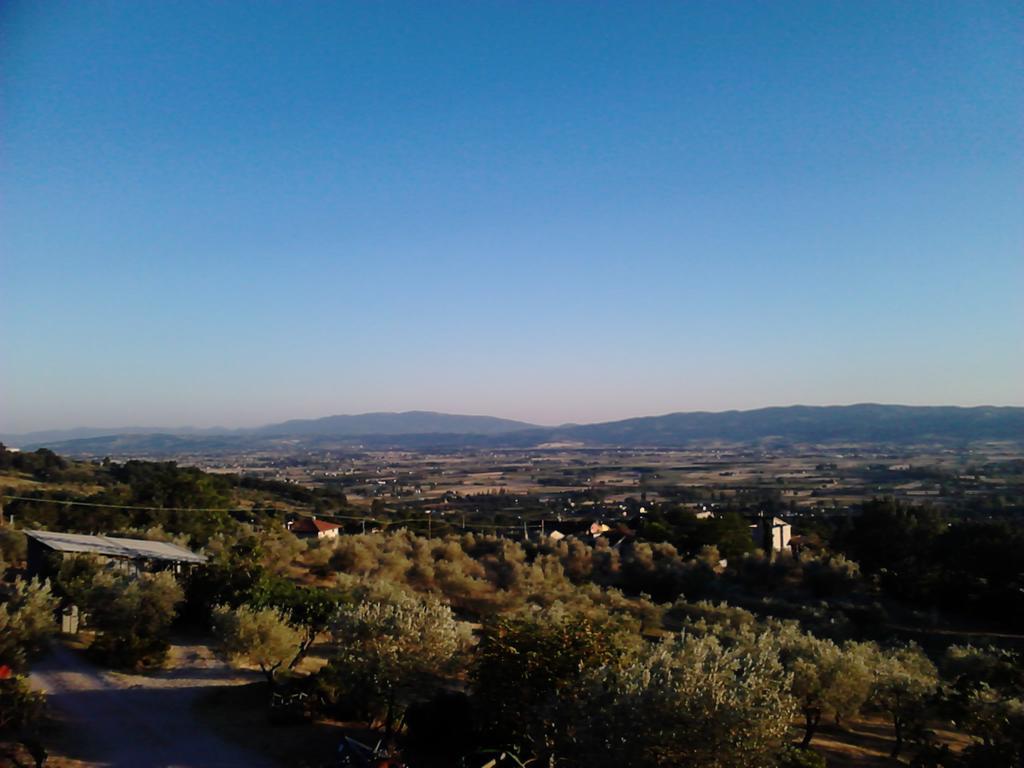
x: 140, y: 721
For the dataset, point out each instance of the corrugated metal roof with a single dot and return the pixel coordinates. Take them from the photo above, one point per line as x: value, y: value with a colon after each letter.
x: 111, y: 546
x: 160, y: 550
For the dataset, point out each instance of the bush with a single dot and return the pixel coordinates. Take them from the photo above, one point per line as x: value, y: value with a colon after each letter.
x: 21, y: 708
x: 133, y: 616
x: 527, y: 677
x: 13, y: 545
x: 686, y: 701
x: 795, y: 757
x: 262, y: 637
x: 27, y: 619
x: 390, y: 655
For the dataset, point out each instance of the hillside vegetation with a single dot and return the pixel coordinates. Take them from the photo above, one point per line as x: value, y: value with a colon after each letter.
x: 651, y: 652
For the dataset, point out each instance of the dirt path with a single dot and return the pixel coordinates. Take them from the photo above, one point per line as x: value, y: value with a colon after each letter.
x: 139, y: 721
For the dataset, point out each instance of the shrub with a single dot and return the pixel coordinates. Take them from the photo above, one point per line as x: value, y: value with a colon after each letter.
x: 687, y: 701
x: 796, y: 757
x: 262, y: 637
x: 391, y: 654
x: 27, y: 619
x: 133, y: 616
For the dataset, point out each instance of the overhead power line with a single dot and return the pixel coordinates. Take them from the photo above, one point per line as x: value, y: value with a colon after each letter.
x: 72, y: 502
x: 424, y: 520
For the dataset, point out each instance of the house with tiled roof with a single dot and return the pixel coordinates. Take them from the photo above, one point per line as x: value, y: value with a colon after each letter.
x: 311, y: 528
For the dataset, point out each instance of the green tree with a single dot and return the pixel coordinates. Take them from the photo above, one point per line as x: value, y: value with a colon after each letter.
x: 13, y: 545
x: 825, y: 676
x: 390, y: 655
x: 27, y: 620
x: 260, y: 636
x: 732, y: 535
x: 795, y: 757
x: 77, y: 577
x: 830, y: 575
x: 21, y: 708
x: 853, y: 679
x: 687, y: 701
x: 310, y: 610
x: 527, y: 674
x: 812, y: 663
x: 133, y: 616
x: 905, y: 680
x: 984, y: 696
x: 278, y: 548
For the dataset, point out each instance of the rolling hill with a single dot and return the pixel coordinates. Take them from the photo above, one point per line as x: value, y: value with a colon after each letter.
x: 867, y: 423
x: 811, y: 424
x: 389, y: 423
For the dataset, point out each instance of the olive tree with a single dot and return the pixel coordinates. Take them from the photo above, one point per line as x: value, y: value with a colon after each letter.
x: 687, y: 701
x: 27, y: 619
x: 259, y: 636
x: 21, y: 707
x: 79, y: 575
x: 984, y: 695
x: 527, y: 675
x: 904, y: 682
x: 13, y: 546
x: 311, y: 610
x: 390, y: 654
x: 278, y: 548
x: 825, y: 677
x: 133, y: 617
x: 851, y: 683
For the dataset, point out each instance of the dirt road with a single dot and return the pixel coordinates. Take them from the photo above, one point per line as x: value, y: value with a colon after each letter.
x: 139, y: 721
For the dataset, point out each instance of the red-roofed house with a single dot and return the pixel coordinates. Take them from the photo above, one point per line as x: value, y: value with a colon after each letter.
x: 311, y: 528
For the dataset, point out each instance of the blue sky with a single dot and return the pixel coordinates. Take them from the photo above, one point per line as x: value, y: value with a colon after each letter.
x: 234, y: 213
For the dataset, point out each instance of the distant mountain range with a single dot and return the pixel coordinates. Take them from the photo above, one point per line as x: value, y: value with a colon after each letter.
x: 867, y: 423
x: 814, y: 424
x: 382, y: 423
x: 387, y: 423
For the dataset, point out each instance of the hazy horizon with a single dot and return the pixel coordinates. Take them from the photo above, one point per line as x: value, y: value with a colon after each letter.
x: 533, y: 422
x: 242, y: 213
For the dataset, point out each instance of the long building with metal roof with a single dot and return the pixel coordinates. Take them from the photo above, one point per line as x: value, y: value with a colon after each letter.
x: 43, y: 545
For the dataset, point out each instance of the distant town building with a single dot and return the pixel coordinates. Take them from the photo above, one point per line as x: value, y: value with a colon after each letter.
x: 772, y: 534
x: 311, y: 528
x: 580, y: 529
